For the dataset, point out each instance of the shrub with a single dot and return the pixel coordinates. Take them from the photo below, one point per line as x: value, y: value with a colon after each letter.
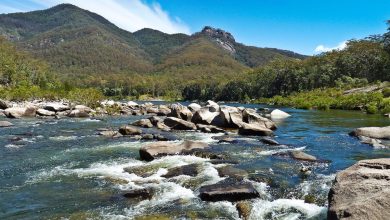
x: 371, y: 108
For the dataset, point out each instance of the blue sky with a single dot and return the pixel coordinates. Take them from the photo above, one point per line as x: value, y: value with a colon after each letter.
x: 298, y: 25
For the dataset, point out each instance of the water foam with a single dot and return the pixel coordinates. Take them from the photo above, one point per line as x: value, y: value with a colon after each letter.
x: 276, y: 151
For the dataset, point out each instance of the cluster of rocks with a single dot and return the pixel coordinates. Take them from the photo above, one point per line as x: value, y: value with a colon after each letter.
x: 378, y: 137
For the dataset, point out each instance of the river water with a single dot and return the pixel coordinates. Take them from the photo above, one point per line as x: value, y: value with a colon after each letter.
x: 61, y: 169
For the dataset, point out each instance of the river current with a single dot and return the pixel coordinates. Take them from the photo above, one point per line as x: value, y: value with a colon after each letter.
x: 61, y: 169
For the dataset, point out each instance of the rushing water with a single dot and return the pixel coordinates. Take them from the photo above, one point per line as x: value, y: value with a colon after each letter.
x: 54, y: 169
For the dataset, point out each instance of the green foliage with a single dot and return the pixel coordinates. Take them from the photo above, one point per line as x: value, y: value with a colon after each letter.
x: 89, y: 97
x: 386, y: 92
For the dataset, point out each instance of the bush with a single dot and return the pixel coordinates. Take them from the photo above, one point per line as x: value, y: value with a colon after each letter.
x: 89, y: 97
x: 371, y: 108
x: 386, y: 92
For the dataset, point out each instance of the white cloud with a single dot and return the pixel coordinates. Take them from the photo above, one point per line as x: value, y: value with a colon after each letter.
x: 130, y: 15
x: 321, y: 48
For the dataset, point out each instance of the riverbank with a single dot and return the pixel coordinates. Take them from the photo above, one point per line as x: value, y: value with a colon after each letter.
x: 373, y: 99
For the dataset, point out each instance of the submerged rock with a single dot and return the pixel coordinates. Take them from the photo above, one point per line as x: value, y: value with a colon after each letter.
x: 232, y: 172
x: 129, y: 130
x: 299, y: 155
x: 162, y: 148
x: 269, y: 141
x: 229, y: 191
x: 252, y: 129
x: 189, y: 170
x: 4, y: 124
x: 179, y: 124
x: 362, y: 191
x: 279, y: 114
x: 373, y: 132
x: 144, y: 193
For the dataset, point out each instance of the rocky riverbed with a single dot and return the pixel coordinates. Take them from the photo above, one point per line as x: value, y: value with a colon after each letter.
x: 182, y: 160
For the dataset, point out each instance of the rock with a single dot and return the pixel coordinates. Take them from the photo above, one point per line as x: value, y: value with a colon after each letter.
x: 152, y: 110
x: 193, y: 107
x: 362, y: 191
x: 132, y: 104
x: 188, y: 170
x: 18, y: 112
x: 212, y: 106
x: 252, y: 129
x: 160, y: 137
x: 278, y: 114
x: 151, y: 151
x: 43, y: 112
x: 147, y: 137
x: 155, y: 120
x: 236, y: 119
x: 209, y: 128
x: 179, y: 124
x: 144, y: 193
x: 56, y: 107
x: 162, y: 126
x: 163, y: 110
x: 373, y: 132
x: 145, y: 123
x: 109, y: 133
x: 229, y: 171
x: 78, y: 114
x: 299, y: 155
x: 244, y: 209
x: 376, y: 143
x: 269, y: 141
x: 181, y: 112
x: 129, y: 130
x: 251, y: 117
x: 4, y: 104
x: 83, y: 108
x: 228, y: 140
x: 228, y: 191
x: 4, y: 124
x: 204, y: 116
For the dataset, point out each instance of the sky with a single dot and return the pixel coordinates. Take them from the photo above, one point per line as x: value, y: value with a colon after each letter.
x: 304, y: 26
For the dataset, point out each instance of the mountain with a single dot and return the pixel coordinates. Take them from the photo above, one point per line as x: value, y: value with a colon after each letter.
x: 84, y: 46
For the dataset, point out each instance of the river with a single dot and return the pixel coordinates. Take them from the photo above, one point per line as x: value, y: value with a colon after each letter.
x: 55, y: 169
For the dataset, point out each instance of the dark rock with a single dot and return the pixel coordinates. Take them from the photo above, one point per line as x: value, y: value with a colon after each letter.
x: 145, y: 123
x: 155, y: 120
x: 144, y: 193
x: 147, y: 137
x: 362, y: 191
x: 4, y: 104
x: 151, y: 151
x: 232, y: 192
x: 255, y: 130
x: 189, y: 170
x: 56, y: 107
x: 179, y: 124
x: 129, y: 130
x: 269, y: 141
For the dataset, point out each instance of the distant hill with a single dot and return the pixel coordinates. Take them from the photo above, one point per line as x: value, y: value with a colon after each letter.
x: 82, y: 46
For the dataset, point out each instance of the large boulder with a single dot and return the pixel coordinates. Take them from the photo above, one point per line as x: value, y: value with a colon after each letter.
x: 373, y: 132
x: 204, y: 116
x: 145, y: 123
x: 236, y: 119
x: 193, y: 107
x: 228, y: 191
x: 179, y: 124
x: 362, y: 191
x: 251, y: 117
x: 83, y: 108
x: 255, y: 130
x: 4, y: 124
x: 44, y: 112
x: 209, y: 128
x: 162, y: 148
x: 213, y: 106
x: 279, y: 114
x: 132, y: 104
x: 180, y: 111
x: 18, y: 112
x: 56, y: 107
x: 129, y: 130
x: 4, y: 104
x: 163, y: 110
x: 76, y: 113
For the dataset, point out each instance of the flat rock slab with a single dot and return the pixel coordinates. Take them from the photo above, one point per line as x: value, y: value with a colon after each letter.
x: 179, y: 124
x: 255, y: 130
x: 232, y: 172
x: 373, y: 132
x: 4, y: 124
x: 188, y: 170
x: 162, y: 148
x: 228, y: 191
x: 299, y: 155
x: 362, y: 191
